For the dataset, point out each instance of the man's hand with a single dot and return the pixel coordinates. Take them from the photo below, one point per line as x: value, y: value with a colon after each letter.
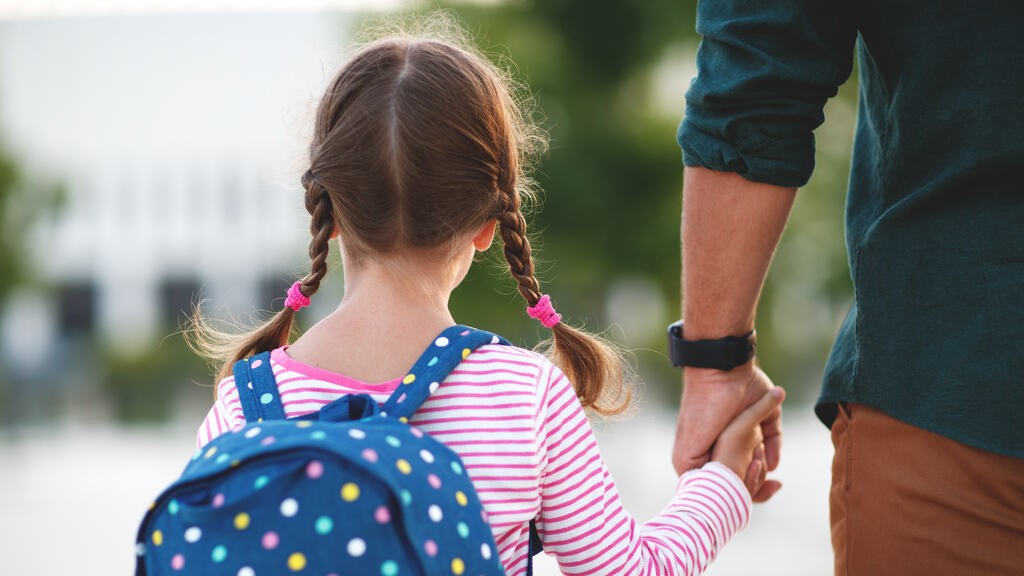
x: 711, y: 400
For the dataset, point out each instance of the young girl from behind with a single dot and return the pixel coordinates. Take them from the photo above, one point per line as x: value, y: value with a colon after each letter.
x: 417, y: 159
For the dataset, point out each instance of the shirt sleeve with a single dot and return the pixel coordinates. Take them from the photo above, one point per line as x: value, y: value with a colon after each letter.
x: 764, y: 73
x: 225, y: 414
x: 583, y: 524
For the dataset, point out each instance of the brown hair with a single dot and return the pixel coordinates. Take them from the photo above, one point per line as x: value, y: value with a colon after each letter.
x: 417, y: 142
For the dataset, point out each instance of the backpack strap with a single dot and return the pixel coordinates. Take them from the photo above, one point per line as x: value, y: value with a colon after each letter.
x: 257, y: 389
x: 534, y: 547
x: 434, y: 365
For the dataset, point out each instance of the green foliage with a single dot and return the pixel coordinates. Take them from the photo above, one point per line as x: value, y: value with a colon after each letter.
x: 11, y: 261
x: 146, y: 388
x: 612, y: 182
x: 22, y: 203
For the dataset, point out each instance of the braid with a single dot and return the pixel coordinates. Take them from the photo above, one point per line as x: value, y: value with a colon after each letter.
x: 595, y: 367
x: 321, y: 227
x: 518, y: 254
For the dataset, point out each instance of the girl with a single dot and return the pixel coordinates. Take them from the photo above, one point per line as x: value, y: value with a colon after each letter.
x: 417, y: 158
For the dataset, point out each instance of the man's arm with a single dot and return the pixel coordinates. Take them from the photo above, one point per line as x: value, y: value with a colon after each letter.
x: 730, y: 228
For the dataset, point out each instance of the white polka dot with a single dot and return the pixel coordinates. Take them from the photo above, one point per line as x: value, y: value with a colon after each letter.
x: 246, y: 571
x: 435, y: 513
x: 193, y: 534
x: 427, y: 456
x: 289, y: 507
x: 434, y: 386
x: 485, y: 551
x: 252, y: 432
x: 140, y: 549
x: 356, y: 547
x: 494, y: 340
x: 357, y: 433
x: 441, y: 342
x: 249, y: 385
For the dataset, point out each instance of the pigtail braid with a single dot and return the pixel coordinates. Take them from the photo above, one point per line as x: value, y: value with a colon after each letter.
x: 594, y: 366
x: 321, y: 228
x: 226, y: 348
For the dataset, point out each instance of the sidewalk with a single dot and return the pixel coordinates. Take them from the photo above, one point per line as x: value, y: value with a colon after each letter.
x: 72, y: 496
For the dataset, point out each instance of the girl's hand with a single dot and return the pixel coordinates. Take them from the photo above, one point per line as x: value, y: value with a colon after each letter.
x: 741, y: 445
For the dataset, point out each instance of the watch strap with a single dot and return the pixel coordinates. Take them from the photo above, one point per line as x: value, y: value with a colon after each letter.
x: 721, y: 354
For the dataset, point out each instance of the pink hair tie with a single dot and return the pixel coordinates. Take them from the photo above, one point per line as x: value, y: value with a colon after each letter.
x: 545, y: 312
x: 296, y: 300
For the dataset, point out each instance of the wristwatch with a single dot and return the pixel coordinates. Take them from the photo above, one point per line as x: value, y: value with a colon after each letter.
x: 722, y: 354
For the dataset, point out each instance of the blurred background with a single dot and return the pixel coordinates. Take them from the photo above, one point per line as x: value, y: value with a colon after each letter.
x: 150, y: 154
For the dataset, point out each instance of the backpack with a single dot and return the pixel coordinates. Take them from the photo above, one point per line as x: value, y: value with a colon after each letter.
x: 351, y: 489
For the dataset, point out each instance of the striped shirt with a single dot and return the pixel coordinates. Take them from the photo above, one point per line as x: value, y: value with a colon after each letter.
x: 515, y: 420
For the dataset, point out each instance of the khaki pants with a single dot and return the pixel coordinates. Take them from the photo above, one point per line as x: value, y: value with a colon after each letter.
x: 905, y: 501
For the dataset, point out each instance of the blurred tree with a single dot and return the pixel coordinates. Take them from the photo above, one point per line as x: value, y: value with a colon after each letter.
x: 613, y: 175
x: 612, y: 182
x: 13, y: 227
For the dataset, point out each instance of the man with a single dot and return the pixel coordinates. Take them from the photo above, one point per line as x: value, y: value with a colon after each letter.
x: 927, y: 371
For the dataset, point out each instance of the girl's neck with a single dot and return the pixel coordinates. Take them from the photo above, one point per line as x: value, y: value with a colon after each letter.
x: 387, y: 317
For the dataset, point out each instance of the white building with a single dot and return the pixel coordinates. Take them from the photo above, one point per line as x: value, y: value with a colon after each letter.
x: 180, y: 139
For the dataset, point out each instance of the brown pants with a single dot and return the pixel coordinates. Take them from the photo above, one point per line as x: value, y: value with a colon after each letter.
x: 905, y: 501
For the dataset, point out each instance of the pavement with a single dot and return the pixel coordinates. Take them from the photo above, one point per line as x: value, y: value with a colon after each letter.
x: 72, y: 494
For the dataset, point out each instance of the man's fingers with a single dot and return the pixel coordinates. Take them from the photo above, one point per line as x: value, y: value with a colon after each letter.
x: 767, y: 490
x: 773, y: 447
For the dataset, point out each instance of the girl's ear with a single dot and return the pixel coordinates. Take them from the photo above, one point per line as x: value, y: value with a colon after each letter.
x: 485, y: 235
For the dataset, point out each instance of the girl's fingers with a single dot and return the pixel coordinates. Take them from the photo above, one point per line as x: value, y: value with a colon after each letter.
x: 753, y: 415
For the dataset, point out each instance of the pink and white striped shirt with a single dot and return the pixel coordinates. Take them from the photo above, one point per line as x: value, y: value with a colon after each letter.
x: 514, y: 419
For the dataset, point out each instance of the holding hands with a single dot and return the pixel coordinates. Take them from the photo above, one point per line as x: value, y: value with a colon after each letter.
x: 734, y: 418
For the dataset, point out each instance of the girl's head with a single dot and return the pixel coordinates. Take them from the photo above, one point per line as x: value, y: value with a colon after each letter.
x: 417, y: 144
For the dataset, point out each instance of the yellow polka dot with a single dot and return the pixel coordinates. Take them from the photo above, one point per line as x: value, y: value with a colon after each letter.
x: 304, y: 424
x: 458, y: 566
x: 409, y: 379
x: 259, y: 419
x: 158, y: 538
x: 153, y: 505
x: 235, y: 463
x: 461, y: 498
x: 465, y: 352
x: 403, y: 466
x: 349, y: 492
x: 403, y: 420
x: 210, y: 452
x: 241, y: 521
x: 296, y: 562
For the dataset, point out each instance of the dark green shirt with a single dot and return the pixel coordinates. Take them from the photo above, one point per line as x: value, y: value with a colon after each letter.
x: 935, y: 207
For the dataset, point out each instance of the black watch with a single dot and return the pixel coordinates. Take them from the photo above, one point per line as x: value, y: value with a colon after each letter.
x: 722, y: 354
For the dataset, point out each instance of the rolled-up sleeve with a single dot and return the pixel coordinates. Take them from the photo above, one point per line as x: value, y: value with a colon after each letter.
x: 764, y: 72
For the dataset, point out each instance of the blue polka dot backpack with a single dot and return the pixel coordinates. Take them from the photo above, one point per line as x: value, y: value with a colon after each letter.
x: 350, y: 490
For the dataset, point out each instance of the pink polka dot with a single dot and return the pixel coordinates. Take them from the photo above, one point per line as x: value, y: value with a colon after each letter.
x: 267, y: 441
x: 430, y: 547
x: 464, y: 333
x: 257, y: 364
x: 483, y: 515
x: 218, y: 500
x: 270, y: 540
x: 434, y: 481
x: 178, y: 562
x: 314, y: 469
x: 416, y: 432
x: 370, y: 455
x: 401, y: 398
x: 381, y: 515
